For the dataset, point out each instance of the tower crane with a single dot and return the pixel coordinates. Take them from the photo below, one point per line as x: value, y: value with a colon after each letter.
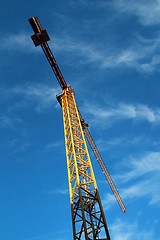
x: 88, y: 219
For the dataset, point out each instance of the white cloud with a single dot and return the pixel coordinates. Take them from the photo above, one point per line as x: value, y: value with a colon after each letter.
x: 61, y: 191
x: 147, y: 11
x: 145, y: 188
x: 104, y: 145
x: 54, y: 145
x: 16, y: 42
x: 142, y: 165
x: 142, y: 55
x: 122, y: 230
x: 7, y: 121
x: 122, y: 111
x: 140, y: 178
x: 40, y: 94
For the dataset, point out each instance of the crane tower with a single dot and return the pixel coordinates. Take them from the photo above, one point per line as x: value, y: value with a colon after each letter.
x: 88, y: 219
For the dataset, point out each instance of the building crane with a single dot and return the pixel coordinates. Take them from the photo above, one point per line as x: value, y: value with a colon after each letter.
x: 88, y: 219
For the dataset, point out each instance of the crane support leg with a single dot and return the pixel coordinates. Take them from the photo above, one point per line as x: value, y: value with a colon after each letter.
x: 88, y: 218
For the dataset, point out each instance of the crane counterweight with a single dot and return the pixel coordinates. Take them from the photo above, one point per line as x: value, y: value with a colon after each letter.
x: 41, y: 36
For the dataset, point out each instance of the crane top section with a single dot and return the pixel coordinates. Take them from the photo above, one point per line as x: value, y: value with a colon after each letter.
x: 41, y: 37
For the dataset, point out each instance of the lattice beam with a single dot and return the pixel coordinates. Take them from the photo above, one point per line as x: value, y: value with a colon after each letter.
x: 88, y: 218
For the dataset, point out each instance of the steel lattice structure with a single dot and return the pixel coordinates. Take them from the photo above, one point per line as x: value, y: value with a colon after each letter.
x: 87, y: 214
x: 88, y: 219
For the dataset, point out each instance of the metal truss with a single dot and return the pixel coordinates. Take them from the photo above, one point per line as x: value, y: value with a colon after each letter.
x: 88, y: 218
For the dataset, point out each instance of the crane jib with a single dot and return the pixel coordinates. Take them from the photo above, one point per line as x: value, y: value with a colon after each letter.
x: 41, y: 37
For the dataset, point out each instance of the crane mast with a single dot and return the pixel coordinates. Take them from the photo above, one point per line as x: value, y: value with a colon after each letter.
x: 88, y: 219
x: 87, y: 214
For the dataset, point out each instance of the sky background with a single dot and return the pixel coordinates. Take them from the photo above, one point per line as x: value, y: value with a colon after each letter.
x: 109, y: 51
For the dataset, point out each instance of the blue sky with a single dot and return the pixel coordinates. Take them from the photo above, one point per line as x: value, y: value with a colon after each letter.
x: 109, y: 51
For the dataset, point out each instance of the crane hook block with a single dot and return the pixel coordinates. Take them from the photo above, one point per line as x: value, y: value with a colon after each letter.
x: 40, y: 35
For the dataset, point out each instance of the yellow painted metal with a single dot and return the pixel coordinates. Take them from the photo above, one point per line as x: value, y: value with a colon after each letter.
x: 79, y: 166
x: 88, y: 219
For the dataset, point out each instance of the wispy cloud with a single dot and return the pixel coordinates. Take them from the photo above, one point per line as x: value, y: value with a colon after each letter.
x: 9, y: 121
x: 17, y: 42
x: 122, y: 230
x: 16, y: 145
x: 104, y: 145
x: 142, y: 55
x: 147, y: 11
x: 54, y: 145
x: 148, y: 189
x: 123, y: 111
x: 141, y: 178
x: 40, y: 95
x: 61, y: 191
x: 144, y: 188
x: 149, y: 163
x: 86, y: 52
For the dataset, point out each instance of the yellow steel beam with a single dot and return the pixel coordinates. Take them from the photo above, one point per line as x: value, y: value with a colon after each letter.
x: 88, y: 218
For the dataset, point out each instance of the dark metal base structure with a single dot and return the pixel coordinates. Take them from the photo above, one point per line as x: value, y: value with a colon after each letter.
x: 88, y: 218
